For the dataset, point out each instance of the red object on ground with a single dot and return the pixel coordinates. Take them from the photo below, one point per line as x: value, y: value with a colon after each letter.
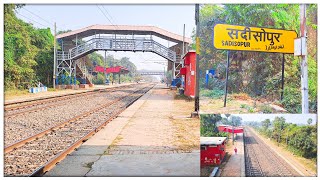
x: 235, y: 150
x: 189, y: 73
x: 226, y: 128
x: 212, y: 150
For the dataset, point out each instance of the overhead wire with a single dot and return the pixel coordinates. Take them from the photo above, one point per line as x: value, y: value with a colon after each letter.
x: 50, y: 23
x: 32, y: 20
x: 38, y: 16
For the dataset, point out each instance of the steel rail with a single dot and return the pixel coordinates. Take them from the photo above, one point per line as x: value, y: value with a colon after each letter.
x: 52, y: 100
x: 278, y: 168
x: 285, y: 169
x: 49, y: 165
x: 24, y: 141
x: 249, y: 166
x: 48, y: 99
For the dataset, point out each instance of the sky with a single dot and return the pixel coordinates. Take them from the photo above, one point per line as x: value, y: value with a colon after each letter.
x: 168, y: 17
x: 293, y: 118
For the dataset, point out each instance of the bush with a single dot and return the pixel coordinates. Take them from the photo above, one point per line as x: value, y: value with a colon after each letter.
x: 266, y: 109
x: 101, y: 79
x: 292, y: 100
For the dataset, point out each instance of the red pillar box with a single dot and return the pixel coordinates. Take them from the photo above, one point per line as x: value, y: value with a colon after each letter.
x: 189, y: 71
x: 212, y: 150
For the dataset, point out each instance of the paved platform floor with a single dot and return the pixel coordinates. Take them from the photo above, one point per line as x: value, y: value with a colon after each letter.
x: 235, y: 166
x: 137, y: 143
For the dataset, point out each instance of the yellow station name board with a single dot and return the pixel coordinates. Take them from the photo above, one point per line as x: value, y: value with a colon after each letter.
x: 243, y: 38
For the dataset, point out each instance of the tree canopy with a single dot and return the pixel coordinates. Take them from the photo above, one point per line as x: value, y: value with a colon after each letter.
x: 300, y: 139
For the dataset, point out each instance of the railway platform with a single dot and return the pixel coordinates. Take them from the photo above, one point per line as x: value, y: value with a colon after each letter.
x: 51, y: 94
x: 235, y: 167
x: 141, y: 141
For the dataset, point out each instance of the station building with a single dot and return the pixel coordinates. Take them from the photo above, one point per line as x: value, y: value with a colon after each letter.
x: 212, y: 150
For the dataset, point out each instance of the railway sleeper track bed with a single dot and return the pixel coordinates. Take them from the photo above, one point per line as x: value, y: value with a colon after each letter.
x: 261, y: 160
x: 40, y: 153
x: 13, y: 109
x: 27, y: 124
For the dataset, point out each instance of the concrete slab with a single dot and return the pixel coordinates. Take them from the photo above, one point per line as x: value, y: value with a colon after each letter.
x: 76, y: 166
x: 235, y: 166
x: 182, y: 164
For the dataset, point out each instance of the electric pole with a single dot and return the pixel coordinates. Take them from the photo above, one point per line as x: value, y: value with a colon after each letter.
x: 54, y: 56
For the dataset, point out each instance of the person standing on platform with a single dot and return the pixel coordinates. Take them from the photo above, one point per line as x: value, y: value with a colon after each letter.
x: 235, y: 150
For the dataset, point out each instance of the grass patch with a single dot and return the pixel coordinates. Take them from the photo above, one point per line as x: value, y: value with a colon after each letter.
x: 214, y: 94
x: 186, y: 133
x: 52, y: 89
x: 15, y: 92
x: 206, y: 171
x: 247, y: 107
x: 266, y: 109
x: 241, y: 96
x: 182, y: 97
x: 113, y: 144
x: 89, y: 165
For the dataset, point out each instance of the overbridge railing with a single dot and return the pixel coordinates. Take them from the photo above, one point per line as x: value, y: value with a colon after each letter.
x: 113, y: 43
x: 151, y: 73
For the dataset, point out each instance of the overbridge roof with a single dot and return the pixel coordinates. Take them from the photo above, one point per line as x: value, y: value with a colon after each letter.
x: 123, y: 30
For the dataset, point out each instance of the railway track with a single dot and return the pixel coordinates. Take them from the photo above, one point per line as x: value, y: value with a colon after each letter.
x: 17, y: 108
x: 27, y: 123
x: 261, y: 160
x: 37, y: 154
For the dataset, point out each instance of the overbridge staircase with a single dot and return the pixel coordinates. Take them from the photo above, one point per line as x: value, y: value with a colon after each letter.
x: 82, y: 71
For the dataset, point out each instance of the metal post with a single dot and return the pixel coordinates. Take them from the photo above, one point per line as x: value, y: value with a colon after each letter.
x: 119, y: 76
x: 75, y: 72
x: 197, y: 59
x: 182, y: 54
x: 164, y: 74
x: 54, y: 56
x: 76, y: 45
x: 105, y: 65
x: 227, y: 76
x: 304, y: 64
x: 183, y: 51
x: 282, y: 77
x: 232, y: 131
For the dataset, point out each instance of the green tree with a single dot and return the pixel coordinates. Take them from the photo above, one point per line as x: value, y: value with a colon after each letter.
x: 209, y: 127
x: 265, y: 124
x: 278, y: 126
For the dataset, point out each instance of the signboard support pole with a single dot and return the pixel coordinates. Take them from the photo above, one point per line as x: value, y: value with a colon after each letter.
x: 227, y: 76
x: 282, y: 77
x: 197, y: 60
x: 304, y: 64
